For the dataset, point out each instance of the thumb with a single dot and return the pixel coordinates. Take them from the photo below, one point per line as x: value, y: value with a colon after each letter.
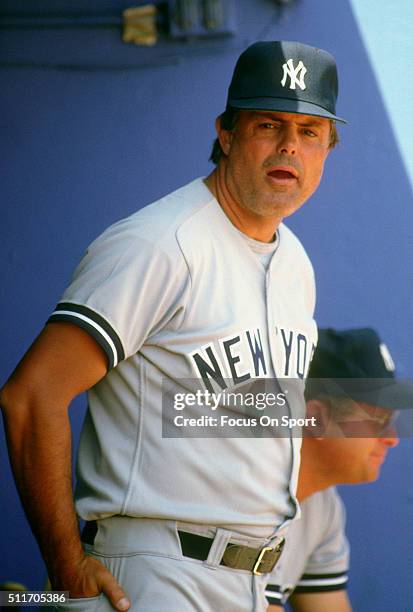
x: 116, y: 595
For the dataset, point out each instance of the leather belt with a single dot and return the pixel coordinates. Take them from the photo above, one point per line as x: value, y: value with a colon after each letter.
x: 256, y: 560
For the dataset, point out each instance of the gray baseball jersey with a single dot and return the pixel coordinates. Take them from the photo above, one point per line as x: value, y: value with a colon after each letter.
x: 316, y: 554
x: 174, y: 293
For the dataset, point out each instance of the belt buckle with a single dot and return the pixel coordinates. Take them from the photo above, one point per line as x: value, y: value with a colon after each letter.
x: 277, y: 548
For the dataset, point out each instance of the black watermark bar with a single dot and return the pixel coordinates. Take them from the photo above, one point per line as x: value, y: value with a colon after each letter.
x: 32, y: 598
x: 287, y: 407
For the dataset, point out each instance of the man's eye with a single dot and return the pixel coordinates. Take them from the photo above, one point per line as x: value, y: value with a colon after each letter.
x: 310, y: 133
x: 268, y: 126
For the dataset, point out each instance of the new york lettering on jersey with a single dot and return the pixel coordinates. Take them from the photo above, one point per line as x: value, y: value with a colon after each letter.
x: 242, y: 357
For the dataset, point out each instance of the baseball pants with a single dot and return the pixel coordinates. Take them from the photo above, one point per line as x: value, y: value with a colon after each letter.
x: 145, y: 556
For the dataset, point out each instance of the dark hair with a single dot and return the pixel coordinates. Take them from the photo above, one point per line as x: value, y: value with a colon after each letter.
x: 334, y: 136
x: 229, y: 120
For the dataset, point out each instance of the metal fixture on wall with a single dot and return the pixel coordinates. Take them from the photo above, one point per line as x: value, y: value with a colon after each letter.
x: 143, y: 24
x: 201, y: 18
x: 139, y: 25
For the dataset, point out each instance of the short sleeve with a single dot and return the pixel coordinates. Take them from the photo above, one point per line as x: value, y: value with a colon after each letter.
x: 327, y: 566
x: 125, y: 289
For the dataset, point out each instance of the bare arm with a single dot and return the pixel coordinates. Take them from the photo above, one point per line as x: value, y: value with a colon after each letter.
x: 320, y: 602
x: 63, y: 362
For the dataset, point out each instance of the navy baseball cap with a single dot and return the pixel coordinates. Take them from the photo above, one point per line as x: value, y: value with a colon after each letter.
x: 355, y: 363
x: 287, y: 77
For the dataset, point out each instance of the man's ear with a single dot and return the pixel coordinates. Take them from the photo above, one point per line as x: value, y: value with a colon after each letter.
x: 319, y: 413
x: 224, y: 136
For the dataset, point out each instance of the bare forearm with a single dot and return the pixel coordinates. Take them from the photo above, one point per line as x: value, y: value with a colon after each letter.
x: 39, y: 444
x: 63, y: 362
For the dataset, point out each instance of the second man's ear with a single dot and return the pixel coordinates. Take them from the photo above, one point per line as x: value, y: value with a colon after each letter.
x: 224, y: 136
x: 319, y: 412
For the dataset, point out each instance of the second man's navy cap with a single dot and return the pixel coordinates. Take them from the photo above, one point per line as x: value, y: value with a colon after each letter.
x: 355, y: 363
x: 286, y: 77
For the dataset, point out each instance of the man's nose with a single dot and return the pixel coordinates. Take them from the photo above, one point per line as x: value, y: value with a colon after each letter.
x: 390, y: 437
x: 288, y: 141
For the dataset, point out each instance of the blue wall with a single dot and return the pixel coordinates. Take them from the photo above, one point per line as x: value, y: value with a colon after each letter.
x: 84, y: 147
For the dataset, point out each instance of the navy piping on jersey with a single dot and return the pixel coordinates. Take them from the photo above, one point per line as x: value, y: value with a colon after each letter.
x: 95, y: 325
x: 317, y: 583
x: 273, y: 594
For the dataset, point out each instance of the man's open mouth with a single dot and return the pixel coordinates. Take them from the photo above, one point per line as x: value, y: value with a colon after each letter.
x: 281, y: 174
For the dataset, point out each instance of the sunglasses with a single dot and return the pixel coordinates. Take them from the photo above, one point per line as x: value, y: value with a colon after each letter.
x: 360, y: 421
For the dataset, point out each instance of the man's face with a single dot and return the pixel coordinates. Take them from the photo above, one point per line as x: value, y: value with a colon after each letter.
x: 356, y: 445
x: 274, y: 161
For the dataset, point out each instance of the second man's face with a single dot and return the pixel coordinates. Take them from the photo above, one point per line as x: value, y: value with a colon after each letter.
x: 274, y: 161
x: 357, y: 445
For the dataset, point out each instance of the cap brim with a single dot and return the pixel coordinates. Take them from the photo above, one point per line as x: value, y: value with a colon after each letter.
x: 397, y: 395
x: 390, y: 393
x: 285, y: 105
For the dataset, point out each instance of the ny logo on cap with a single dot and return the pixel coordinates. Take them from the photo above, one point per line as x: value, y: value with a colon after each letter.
x: 296, y: 74
x: 387, y: 358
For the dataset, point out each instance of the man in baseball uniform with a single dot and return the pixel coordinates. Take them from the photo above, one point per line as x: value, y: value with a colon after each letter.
x: 348, y: 446
x: 205, y: 284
